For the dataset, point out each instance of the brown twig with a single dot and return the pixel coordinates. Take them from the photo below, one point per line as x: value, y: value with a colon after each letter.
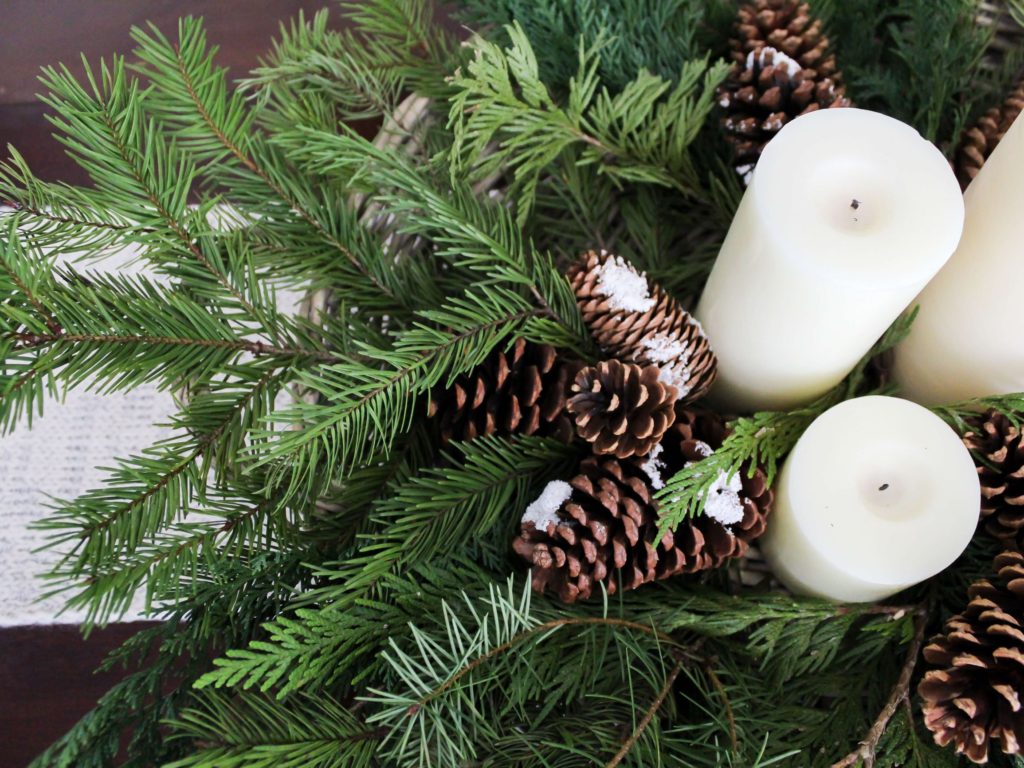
x: 526, y: 634
x: 652, y: 710
x: 865, y: 752
x: 716, y: 683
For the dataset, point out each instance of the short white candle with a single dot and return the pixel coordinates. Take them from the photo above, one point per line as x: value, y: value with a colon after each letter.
x: 848, y: 214
x: 966, y: 340
x: 878, y: 494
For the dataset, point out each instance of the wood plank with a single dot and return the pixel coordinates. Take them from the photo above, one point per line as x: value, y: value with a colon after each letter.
x: 47, y: 682
x: 44, y: 32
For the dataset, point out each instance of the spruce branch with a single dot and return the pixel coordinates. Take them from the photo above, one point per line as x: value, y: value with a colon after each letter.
x: 370, y: 402
x: 479, y: 237
x: 146, y: 494
x: 132, y: 156
x: 473, y: 495
x: 256, y: 732
x: 189, y: 87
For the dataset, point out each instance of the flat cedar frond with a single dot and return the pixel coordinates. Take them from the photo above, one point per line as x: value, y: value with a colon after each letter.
x: 641, y: 134
x: 765, y: 438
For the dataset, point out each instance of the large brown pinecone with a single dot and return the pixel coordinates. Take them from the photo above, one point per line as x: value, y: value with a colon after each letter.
x: 522, y: 390
x: 979, y: 140
x: 995, y: 444
x: 783, y: 68
x: 657, y: 331
x: 972, y: 700
x: 605, y: 531
x: 621, y: 408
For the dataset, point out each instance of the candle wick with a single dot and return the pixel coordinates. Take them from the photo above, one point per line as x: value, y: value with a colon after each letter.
x: 855, y: 204
x: 883, y: 486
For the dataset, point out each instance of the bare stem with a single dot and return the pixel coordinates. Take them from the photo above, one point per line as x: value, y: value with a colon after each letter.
x: 652, y: 710
x: 865, y: 752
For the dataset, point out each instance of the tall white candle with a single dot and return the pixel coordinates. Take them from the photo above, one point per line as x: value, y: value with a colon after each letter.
x: 878, y: 494
x: 848, y: 214
x: 966, y: 340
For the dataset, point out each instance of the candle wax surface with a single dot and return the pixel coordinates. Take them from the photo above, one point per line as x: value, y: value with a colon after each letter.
x: 878, y: 494
x: 848, y: 214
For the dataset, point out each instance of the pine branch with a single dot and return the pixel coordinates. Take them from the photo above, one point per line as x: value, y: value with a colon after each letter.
x: 645, y: 721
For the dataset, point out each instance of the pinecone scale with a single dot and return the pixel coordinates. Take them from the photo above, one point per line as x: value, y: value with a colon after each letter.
x: 996, y: 445
x: 604, y: 531
x: 522, y: 390
x: 972, y: 699
x: 783, y: 68
x: 648, y: 327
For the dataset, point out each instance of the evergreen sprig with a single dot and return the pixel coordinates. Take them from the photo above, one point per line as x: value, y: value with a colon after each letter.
x: 331, y: 581
x: 640, y: 134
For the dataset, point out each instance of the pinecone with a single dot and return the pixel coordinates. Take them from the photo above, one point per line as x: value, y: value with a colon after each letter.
x: 648, y: 327
x: 522, y: 390
x: 607, y: 520
x: 978, y: 141
x: 995, y: 444
x: 621, y: 408
x: 973, y: 698
x: 783, y: 68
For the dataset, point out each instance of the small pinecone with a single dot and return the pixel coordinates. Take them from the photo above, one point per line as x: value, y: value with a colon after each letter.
x: 973, y: 697
x: 610, y: 521
x: 621, y: 408
x: 996, y: 446
x: 783, y: 68
x: 519, y: 391
x: 661, y: 333
x: 978, y: 141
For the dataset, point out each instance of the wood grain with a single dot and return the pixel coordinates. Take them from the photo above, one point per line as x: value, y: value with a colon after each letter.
x: 37, y: 33
x: 47, y: 682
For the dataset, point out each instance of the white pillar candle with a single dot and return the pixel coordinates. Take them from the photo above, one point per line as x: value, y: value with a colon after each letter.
x: 878, y: 494
x: 848, y: 214
x: 966, y: 340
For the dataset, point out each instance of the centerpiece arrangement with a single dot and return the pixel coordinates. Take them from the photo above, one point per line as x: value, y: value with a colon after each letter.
x: 586, y: 450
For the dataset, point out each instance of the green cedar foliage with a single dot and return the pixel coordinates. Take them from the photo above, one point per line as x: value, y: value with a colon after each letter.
x: 333, y: 587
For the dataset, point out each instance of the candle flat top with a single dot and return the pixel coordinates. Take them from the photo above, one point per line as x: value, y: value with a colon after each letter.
x: 883, y: 489
x: 858, y: 195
